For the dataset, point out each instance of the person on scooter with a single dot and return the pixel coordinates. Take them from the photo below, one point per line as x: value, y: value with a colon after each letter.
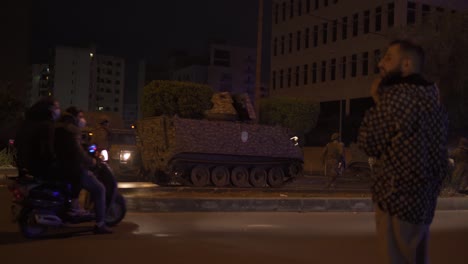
x: 34, y: 140
x: 74, y: 160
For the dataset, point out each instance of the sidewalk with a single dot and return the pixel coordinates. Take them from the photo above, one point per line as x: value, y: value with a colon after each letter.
x: 304, y: 195
x: 183, y: 199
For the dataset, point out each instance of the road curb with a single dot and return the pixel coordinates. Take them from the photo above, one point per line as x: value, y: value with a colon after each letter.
x: 152, y: 204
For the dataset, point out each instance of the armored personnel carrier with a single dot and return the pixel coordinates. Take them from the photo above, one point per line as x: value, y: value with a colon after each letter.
x: 217, y: 152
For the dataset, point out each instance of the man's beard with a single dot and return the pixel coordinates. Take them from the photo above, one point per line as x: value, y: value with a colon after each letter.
x: 391, y: 77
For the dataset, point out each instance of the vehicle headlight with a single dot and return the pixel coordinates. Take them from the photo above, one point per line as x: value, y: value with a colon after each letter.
x: 125, y: 155
x: 104, y: 155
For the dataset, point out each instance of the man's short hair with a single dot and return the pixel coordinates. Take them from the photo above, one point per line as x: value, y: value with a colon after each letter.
x: 416, y: 51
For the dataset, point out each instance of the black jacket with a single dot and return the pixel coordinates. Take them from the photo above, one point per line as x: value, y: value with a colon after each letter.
x: 71, y: 156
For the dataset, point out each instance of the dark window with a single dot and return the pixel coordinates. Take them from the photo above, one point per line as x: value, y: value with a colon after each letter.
x: 344, y: 30
x: 290, y: 42
x: 354, y: 65
x: 284, y: 11
x: 117, y: 73
x: 289, y: 77
x: 325, y: 2
x: 109, y: 71
x: 324, y: 71
x: 291, y: 10
x: 325, y: 32
x: 307, y: 6
x: 306, y: 74
x: 273, y: 80
x: 365, y: 63
x: 276, y: 13
x: 376, y: 60
x: 426, y: 10
x: 281, y: 79
x: 334, y: 30
x: 117, y: 64
x: 298, y: 39
x: 316, y: 6
x: 298, y: 69
x: 314, y: 72
x: 299, y: 8
x: 355, y: 24
x: 117, y: 91
x: 306, y: 38
x: 335, y: 1
x: 282, y: 45
x: 315, y: 36
x: 366, y: 21
x: 411, y: 13
x: 440, y: 9
x: 116, y: 109
x: 116, y: 100
x: 343, y: 67
x: 275, y: 46
x: 117, y: 82
x: 222, y: 58
x: 378, y: 18
x: 391, y: 15
x: 333, y: 70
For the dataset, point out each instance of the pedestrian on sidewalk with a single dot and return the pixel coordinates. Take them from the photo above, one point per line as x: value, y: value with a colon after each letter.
x: 333, y: 160
x: 459, y: 178
x: 406, y: 131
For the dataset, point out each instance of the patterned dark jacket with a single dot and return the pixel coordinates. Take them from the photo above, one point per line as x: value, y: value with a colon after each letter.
x: 407, y: 133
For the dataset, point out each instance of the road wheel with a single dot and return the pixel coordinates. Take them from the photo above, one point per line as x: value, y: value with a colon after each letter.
x: 258, y: 177
x: 200, y: 175
x: 276, y: 177
x: 240, y: 177
x: 220, y: 176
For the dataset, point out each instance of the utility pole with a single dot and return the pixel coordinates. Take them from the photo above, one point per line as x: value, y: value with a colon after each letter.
x: 258, y: 78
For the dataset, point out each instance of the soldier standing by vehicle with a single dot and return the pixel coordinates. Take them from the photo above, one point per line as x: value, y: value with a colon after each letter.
x: 101, y: 134
x: 459, y: 179
x: 333, y: 159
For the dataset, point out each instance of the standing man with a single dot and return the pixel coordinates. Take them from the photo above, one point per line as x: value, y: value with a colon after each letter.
x: 406, y: 131
x: 333, y: 159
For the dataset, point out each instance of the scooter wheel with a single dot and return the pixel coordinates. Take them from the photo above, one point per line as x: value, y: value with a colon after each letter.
x: 28, y: 225
x: 116, y: 211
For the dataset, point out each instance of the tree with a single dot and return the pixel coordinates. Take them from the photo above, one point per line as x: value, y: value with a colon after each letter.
x: 11, y: 110
x: 185, y: 99
x: 444, y: 37
x: 299, y: 115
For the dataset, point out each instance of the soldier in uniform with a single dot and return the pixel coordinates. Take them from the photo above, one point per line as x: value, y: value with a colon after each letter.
x: 459, y: 180
x: 102, y: 133
x: 333, y: 159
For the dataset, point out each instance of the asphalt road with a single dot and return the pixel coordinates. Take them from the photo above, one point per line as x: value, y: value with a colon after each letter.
x: 229, y: 238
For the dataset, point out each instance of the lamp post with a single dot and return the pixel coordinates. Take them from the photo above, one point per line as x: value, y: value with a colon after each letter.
x: 258, y: 77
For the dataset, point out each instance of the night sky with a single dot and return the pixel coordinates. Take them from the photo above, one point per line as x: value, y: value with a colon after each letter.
x: 142, y: 29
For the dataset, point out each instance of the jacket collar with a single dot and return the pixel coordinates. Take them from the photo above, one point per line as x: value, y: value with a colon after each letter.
x: 413, y: 79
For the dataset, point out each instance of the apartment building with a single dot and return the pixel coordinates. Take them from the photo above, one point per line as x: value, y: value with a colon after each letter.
x: 90, y: 81
x: 39, y: 85
x: 328, y: 50
x: 230, y: 69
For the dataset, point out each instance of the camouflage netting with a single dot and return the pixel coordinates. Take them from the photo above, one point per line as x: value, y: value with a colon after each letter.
x: 158, y: 144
